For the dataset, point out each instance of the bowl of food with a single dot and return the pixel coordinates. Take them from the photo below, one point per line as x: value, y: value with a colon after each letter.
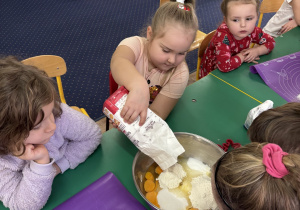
x: 186, y: 184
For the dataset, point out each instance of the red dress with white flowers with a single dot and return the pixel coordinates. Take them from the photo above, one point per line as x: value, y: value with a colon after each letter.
x: 223, y: 47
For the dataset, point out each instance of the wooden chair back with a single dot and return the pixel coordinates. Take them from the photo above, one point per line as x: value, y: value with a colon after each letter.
x: 268, y: 6
x: 202, y: 48
x: 54, y: 66
x: 163, y: 1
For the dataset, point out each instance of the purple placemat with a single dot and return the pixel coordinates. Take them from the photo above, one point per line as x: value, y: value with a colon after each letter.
x: 282, y: 75
x: 106, y: 193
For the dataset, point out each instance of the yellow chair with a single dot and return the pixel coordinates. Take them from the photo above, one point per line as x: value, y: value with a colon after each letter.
x: 201, y: 50
x: 162, y: 2
x: 54, y: 66
x: 268, y: 6
x: 199, y: 36
x: 198, y: 40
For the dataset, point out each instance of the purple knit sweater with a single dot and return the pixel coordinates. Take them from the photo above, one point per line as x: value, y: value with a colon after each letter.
x: 26, y: 184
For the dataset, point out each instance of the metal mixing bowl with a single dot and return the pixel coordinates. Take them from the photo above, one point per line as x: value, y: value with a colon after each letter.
x: 195, y: 146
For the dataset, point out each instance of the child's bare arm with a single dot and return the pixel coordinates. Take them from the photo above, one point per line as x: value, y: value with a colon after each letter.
x: 125, y: 73
x: 295, y: 21
x: 296, y: 10
x: 123, y: 69
x: 163, y: 105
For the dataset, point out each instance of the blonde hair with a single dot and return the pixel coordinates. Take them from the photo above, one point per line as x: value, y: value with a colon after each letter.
x: 24, y: 91
x: 224, y: 5
x: 170, y: 13
x: 244, y: 183
x: 280, y: 125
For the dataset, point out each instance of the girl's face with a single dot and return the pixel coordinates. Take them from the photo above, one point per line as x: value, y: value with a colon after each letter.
x: 169, y: 51
x: 241, y: 19
x: 44, y: 128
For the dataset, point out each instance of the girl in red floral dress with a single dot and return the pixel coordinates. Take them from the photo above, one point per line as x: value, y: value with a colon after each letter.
x: 229, y: 47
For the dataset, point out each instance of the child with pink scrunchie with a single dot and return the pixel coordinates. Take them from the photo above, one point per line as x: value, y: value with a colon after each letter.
x: 257, y: 176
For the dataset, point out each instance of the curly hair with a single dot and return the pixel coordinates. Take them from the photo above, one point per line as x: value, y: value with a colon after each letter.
x: 24, y: 91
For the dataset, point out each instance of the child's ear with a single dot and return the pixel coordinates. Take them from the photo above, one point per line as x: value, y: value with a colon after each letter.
x: 149, y: 33
x: 224, y: 19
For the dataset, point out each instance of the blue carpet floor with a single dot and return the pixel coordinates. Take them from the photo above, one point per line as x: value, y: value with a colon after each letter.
x: 85, y: 34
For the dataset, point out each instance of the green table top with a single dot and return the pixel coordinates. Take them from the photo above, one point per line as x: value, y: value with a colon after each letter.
x: 115, y: 154
x: 251, y: 83
x: 210, y: 108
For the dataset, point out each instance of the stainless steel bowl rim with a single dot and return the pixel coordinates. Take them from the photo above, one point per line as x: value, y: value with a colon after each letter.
x: 176, y: 133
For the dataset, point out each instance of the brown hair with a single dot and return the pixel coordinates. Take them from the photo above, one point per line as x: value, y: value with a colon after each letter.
x: 224, y: 5
x: 169, y: 13
x: 244, y: 183
x: 24, y: 91
x: 280, y: 125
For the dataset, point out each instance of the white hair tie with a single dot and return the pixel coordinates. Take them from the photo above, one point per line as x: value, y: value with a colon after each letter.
x: 180, y: 1
x: 182, y: 6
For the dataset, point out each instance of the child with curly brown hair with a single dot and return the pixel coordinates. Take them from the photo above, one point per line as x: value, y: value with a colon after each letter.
x: 40, y: 137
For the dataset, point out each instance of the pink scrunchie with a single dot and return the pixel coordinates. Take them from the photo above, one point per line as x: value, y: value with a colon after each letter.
x: 272, y: 159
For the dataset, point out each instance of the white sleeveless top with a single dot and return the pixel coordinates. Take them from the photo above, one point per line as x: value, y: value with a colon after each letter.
x: 282, y: 16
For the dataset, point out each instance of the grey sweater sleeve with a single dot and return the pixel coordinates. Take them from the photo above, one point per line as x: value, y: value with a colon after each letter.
x: 25, y: 184
x: 81, y: 135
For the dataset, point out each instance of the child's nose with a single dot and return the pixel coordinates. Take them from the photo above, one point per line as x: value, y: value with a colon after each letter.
x: 243, y: 23
x: 51, y: 127
x: 172, y: 58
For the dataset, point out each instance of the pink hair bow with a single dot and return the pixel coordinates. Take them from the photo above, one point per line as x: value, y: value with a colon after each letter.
x: 272, y: 159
